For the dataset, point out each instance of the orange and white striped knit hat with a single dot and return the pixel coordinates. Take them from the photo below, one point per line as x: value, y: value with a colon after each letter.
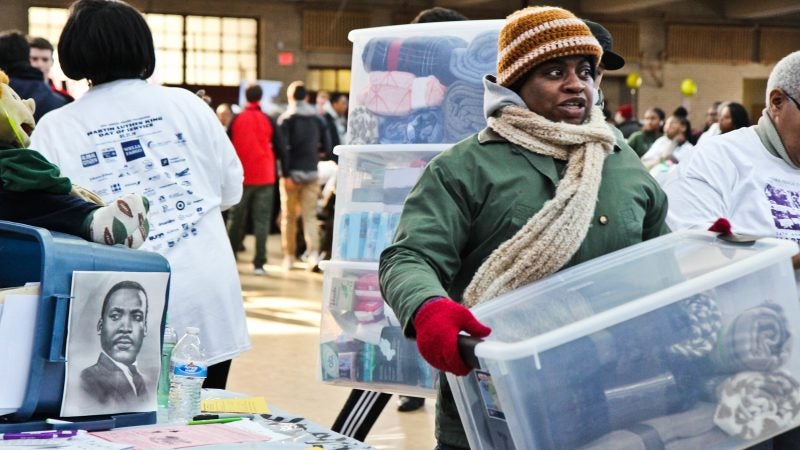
x: 537, y: 34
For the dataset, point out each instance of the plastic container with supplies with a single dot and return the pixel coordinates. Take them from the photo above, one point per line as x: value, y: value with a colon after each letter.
x: 420, y: 83
x: 684, y: 341
x: 373, y: 182
x: 362, y: 343
x: 31, y: 254
x: 189, y: 370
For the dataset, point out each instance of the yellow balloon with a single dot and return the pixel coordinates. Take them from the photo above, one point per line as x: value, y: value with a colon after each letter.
x: 688, y: 87
x: 634, y: 80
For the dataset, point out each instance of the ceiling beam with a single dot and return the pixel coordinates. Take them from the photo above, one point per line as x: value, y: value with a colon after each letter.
x: 748, y: 9
x: 620, y: 6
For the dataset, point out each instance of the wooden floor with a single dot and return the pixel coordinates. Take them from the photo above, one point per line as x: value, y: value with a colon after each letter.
x: 283, y: 313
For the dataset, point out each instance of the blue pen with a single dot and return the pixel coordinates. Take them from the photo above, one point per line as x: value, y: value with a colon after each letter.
x: 40, y: 435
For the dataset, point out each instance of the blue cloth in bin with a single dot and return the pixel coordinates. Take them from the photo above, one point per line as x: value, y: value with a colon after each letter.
x: 614, y: 378
x: 478, y: 59
x: 422, y: 126
x: 419, y: 55
x: 463, y: 111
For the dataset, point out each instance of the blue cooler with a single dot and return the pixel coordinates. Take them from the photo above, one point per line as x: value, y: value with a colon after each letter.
x: 31, y: 254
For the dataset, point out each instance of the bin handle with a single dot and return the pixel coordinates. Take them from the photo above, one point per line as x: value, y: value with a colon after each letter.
x: 466, y: 348
x: 58, y: 342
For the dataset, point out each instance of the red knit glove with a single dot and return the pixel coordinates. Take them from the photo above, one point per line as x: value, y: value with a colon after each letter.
x: 721, y: 226
x: 438, y: 323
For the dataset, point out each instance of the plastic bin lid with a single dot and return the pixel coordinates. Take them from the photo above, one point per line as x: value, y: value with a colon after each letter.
x: 623, y: 285
x: 453, y: 28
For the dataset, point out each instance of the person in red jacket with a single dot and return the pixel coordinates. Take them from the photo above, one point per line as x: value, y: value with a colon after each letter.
x: 256, y: 139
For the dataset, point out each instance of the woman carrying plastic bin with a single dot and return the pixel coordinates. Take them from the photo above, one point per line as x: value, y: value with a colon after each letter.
x: 543, y: 187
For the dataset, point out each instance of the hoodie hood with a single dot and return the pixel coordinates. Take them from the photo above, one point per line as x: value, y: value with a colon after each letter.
x: 496, y: 96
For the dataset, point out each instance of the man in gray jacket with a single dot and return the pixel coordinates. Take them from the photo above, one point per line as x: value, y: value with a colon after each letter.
x: 306, y: 137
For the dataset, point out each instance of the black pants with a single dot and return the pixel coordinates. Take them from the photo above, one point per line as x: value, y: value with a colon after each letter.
x: 359, y: 413
x: 217, y: 375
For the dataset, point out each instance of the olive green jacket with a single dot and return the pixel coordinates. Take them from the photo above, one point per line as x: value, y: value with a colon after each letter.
x: 478, y: 194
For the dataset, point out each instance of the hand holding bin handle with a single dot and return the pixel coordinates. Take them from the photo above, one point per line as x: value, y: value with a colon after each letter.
x: 438, y: 323
x: 466, y: 348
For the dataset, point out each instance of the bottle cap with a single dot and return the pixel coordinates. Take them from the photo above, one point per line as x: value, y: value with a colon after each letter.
x: 192, y: 330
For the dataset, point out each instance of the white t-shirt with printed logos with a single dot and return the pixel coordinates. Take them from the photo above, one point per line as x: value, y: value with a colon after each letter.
x: 165, y: 143
x: 734, y: 176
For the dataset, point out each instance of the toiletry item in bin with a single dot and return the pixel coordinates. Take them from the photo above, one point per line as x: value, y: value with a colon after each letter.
x: 368, y: 300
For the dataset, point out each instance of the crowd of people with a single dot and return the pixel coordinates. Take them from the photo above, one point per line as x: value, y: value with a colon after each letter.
x: 547, y: 176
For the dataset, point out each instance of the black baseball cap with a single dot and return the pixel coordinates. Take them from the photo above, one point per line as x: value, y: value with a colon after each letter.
x: 610, y: 60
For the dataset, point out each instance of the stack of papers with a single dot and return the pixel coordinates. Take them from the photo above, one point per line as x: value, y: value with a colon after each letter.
x: 18, y: 309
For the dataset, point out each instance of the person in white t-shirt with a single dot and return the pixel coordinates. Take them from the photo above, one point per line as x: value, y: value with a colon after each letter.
x: 751, y: 176
x: 672, y: 145
x: 125, y: 135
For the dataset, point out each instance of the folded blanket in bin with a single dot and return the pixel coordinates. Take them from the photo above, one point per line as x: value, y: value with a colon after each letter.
x: 397, y: 93
x: 422, y: 126
x: 420, y: 55
x: 463, y: 111
x: 755, y: 405
x: 690, y: 430
x: 478, y: 59
x: 616, y: 377
x: 757, y: 339
x: 581, y: 398
x: 362, y: 127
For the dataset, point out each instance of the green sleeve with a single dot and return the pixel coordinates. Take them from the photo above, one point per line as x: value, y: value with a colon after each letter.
x: 425, y: 254
x: 23, y: 170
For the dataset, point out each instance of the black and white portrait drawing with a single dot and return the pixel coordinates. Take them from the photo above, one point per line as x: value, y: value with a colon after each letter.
x: 113, y: 342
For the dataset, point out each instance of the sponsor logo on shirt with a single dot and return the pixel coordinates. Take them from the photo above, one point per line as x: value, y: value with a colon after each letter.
x: 154, y: 144
x: 109, y: 153
x: 153, y: 237
x: 115, y: 188
x: 182, y: 173
x: 164, y: 162
x: 89, y: 159
x: 179, y: 138
x: 100, y: 177
x: 133, y: 150
x: 180, y: 205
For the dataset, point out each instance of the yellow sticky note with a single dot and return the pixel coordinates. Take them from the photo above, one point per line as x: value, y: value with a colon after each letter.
x: 251, y: 405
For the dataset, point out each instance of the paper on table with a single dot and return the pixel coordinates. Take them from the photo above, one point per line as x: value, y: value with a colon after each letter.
x: 17, y: 330
x: 180, y: 436
x: 82, y: 441
x: 258, y: 428
x: 252, y: 405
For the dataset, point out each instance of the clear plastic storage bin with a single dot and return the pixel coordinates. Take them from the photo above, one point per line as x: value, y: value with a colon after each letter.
x: 421, y: 83
x: 362, y: 343
x: 682, y: 342
x: 372, y: 184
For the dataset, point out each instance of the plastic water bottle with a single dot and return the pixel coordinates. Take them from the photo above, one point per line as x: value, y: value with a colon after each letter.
x: 170, y: 339
x: 189, y: 369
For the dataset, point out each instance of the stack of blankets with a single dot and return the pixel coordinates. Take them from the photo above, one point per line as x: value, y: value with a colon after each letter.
x: 685, y: 376
x: 422, y: 90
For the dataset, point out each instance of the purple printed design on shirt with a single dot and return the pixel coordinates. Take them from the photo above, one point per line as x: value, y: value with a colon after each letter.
x: 785, y: 207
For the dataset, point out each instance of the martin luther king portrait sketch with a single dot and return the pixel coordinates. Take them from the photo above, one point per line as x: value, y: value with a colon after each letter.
x: 113, y: 346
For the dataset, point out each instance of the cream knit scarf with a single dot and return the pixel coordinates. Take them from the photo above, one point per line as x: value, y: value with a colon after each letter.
x: 554, y: 234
